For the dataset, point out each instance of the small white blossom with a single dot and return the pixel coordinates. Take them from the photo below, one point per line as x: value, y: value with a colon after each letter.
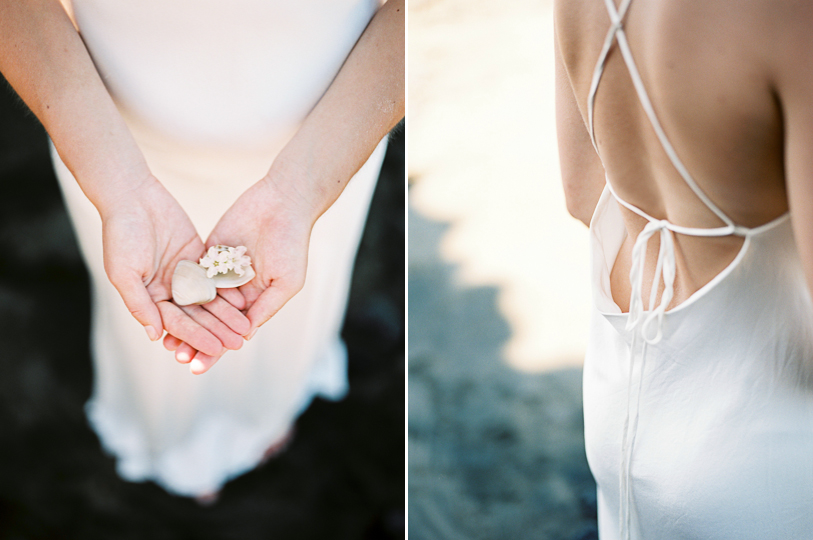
x: 222, y: 259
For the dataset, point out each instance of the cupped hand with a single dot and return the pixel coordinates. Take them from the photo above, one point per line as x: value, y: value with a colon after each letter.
x: 225, y: 307
x: 145, y: 234
x: 275, y: 226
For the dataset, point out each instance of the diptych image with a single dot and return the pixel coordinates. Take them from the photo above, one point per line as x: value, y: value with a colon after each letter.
x: 406, y: 269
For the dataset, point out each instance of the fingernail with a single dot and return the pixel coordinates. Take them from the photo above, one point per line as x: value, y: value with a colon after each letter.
x: 251, y: 334
x: 182, y: 356
x: 151, y: 333
x: 197, y: 367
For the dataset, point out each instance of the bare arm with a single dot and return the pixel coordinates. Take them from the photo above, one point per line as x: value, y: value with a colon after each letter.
x: 794, y: 86
x: 274, y: 218
x: 44, y: 59
x: 145, y: 231
x: 364, y: 102
x: 582, y: 171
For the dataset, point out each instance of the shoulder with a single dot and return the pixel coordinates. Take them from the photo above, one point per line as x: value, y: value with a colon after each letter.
x: 789, y: 47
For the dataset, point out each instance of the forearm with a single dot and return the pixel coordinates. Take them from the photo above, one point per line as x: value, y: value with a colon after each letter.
x: 45, y: 61
x: 364, y: 102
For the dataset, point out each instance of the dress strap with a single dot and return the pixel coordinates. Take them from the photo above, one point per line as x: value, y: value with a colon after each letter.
x: 646, y: 326
x: 728, y: 230
x: 616, y: 32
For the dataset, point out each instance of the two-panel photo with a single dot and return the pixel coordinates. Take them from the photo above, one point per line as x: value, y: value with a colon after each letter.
x: 406, y: 269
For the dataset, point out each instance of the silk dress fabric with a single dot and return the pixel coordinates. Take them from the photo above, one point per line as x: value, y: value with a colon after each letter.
x: 704, y: 428
x: 212, y: 91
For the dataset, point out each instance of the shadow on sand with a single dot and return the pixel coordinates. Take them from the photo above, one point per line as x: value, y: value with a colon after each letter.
x: 493, y: 452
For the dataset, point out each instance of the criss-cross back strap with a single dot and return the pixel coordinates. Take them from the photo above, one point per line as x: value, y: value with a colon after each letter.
x: 616, y: 32
x: 644, y: 323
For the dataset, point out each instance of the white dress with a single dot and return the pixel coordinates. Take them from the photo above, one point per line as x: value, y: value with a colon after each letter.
x: 698, y: 420
x: 212, y: 91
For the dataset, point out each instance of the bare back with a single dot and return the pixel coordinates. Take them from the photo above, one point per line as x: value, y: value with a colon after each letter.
x: 710, y: 71
x: 697, y: 417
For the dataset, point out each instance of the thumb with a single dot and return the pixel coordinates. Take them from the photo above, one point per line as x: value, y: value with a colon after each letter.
x: 138, y: 301
x: 268, y: 304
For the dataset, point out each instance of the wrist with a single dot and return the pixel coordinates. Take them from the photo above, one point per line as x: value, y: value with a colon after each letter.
x: 121, y: 194
x: 109, y: 174
x: 300, y: 188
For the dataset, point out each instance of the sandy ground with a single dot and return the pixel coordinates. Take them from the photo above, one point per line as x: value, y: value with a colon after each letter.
x: 498, y: 284
x: 483, y: 158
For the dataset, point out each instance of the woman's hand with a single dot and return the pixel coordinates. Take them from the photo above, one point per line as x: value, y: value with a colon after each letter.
x: 145, y: 231
x: 274, y: 218
x: 275, y: 225
x: 145, y: 234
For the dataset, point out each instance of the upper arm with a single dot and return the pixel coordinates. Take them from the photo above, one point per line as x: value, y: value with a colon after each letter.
x: 582, y: 171
x: 794, y: 85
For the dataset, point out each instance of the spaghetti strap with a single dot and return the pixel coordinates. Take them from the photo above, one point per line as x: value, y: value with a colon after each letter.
x: 646, y: 325
x: 616, y: 33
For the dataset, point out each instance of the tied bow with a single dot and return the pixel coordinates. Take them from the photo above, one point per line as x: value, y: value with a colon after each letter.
x: 665, y: 270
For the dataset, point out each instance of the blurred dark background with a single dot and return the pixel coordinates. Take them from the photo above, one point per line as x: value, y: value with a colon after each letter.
x: 341, y: 478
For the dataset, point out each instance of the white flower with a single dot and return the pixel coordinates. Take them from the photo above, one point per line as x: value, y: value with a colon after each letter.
x: 209, y: 262
x: 222, y: 259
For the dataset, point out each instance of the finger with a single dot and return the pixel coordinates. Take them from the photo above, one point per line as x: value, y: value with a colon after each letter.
x: 203, y: 362
x: 138, y: 301
x: 233, y: 296
x: 182, y: 326
x: 171, y: 343
x: 228, y: 315
x: 267, y: 305
x: 185, y: 353
x: 229, y: 338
